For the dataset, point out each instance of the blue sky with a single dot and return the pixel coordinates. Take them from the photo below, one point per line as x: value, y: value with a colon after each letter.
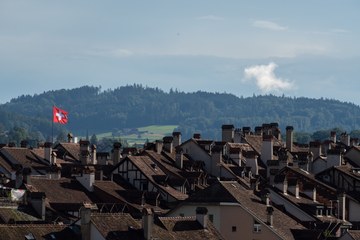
x: 303, y: 48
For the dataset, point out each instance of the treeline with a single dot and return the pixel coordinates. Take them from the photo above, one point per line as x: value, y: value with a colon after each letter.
x: 93, y: 110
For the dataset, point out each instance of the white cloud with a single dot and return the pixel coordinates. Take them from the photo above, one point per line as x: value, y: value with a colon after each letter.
x: 116, y: 52
x: 339, y: 30
x: 268, y: 25
x: 211, y: 17
x: 265, y: 78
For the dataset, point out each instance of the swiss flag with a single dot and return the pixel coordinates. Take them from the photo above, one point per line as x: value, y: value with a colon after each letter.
x: 60, y: 115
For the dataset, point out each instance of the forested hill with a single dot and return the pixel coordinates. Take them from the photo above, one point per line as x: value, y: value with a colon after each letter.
x: 93, y: 110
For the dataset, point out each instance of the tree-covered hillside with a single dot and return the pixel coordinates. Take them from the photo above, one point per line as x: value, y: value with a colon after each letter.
x: 93, y: 110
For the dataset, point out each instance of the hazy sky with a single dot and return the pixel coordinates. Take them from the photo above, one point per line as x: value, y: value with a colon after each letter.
x: 303, y: 48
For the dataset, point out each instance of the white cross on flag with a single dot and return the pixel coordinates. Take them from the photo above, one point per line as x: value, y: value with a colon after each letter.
x: 60, y: 115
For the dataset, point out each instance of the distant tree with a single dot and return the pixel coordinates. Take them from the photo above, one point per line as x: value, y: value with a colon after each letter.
x: 302, y: 137
x: 321, y: 135
x: 62, y: 136
x: 355, y: 134
x: 17, y: 134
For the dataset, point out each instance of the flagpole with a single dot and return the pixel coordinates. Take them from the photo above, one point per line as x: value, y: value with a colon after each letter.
x: 52, y: 125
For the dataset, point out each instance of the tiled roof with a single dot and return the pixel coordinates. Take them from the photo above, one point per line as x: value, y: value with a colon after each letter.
x: 60, y: 192
x: 72, y: 149
x: 231, y: 191
x: 5, y: 164
x: 39, y: 231
x: 18, y: 214
x: 240, y: 146
x: 355, y: 234
x: 23, y: 156
x: 123, y: 226
x: 146, y: 165
x: 131, y: 197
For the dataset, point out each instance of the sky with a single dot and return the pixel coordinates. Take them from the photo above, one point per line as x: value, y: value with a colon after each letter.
x: 293, y: 48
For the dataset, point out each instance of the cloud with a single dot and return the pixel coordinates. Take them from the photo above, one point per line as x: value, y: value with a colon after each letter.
x: 266, y: 79
x: 211, y: 17
x: 115, y: 53
x: 268, y: 25
x: 339, y: 30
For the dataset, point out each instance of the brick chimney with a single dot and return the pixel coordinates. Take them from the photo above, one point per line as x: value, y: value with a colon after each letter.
x: 168, y: 144
x: 289, y: 138
x: 227, y: 132
x: 177, y: 138
x: 246, y: 130
x: 87, y: 178
x: 85, y: 215
x: 116, y: 156
x: 147, y: 223
x: 24, y: 144
x: 315, y: 148
x: 345, y: 139
x: 333, y: 158
x: 342, y: 205
x: 179, y: 157
x: 333, y: 136
x: 267, y: 148
x: 197, y: 136
x: 258, y: 131
x: 48, y: 151
x: 37, y: 201
x: 216, y: 159
x: 159, y: 146
x: 270, y: 217
x: 84, y: 152
x: 202, y: 216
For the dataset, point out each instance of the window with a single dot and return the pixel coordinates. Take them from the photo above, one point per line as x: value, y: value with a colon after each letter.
x: 211, y: 217
x: 257, y: 226
x: 233, y: 228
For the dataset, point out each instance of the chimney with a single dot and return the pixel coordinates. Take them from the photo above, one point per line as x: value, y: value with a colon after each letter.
x: 216, y: 159
x: 275, y: 131
x: 197, y: 136
x: 19, y: 178
x: 266, y: 128
x: 354, y: 141
x: 258, y: 131
x: 11, y: 144
x: 314, y: 194
x: 24, y: 144
x: 179, y: 157
x: 269, y: 211
x: 116, y: 153
x: 333, y: 158
x: 87, y: 178
x: 37, y: 201
x: 227, y: 133
x: 85, y: 215
x: 333, y: 136
x: 315, y: 148
x: 26, y: 175
x: 93, y: 154
x: 342, y: 205
x: 201, y: 216
x: 246, y: 130
x: 345, y: 139
x: 289, y: 138
x: 285, y: 186
x: 297, y: 190
x: 147, y: 222
x: 48, y: 151
x: 177, y: 138
x: 70, y: 137
x: 159, y: 146
x: 84, y: 152
x: 53, y: 158
x: 267, y: 199
x: 267, y: 148
x: 237, y: 135
x: 168, y: 144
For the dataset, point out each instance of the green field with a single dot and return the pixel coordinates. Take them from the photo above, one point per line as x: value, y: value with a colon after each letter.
x: 141, y: 134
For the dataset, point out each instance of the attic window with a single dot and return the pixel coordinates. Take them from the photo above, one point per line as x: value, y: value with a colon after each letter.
x: 257, y: 227
x: 233, y: 228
